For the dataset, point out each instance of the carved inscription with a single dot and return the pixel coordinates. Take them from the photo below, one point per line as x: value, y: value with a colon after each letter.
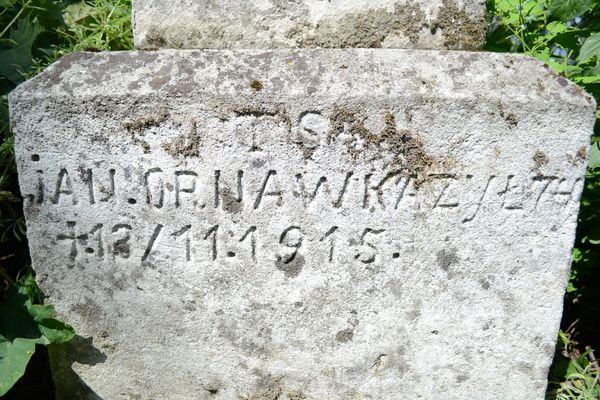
x: 256, y: 190
x: 206, y: 243
x: 233, y: 192
x: 226, y: 204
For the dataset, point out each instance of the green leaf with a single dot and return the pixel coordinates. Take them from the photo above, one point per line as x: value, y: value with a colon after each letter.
x: 14, y: 357
x: 569, y: 9
x: 18, y: 58
x: 584, y: 80
x: 556, y: 27
x: 56, y: 331
x: 7, y: 3
x: 15, y: 318
x: 569, y: 39
x: 22, y: 326
x: 594, y: 160
x: 590, y: 48
x: 544, y: 56
x: 40, y: 312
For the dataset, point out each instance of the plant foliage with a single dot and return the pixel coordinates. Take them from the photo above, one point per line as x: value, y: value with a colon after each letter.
x: 23, y: 324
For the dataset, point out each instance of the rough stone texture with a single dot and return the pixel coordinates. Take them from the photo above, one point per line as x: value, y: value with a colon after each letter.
x: 268, y: 24
x: 309, y: 224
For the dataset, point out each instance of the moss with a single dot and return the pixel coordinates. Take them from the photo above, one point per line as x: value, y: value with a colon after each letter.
x: 188, y: 146
x: 140, y: 124
x: 366, y: 29
x: 460, y: 31
x: 137, y: 127
x: 407, y: 148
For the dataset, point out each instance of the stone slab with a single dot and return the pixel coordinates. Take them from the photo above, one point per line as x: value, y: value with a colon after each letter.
x: 305, y: 224
x: 269, y: 24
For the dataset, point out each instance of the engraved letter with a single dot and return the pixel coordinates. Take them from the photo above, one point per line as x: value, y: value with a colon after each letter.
x: 154, y: 199
x: 330, y: 233
x: 263, y: 191
x: 121, y: 247
x: 63, y: 186
x: 294, y: 242
x: 213, y: 231
x: 153, y: 238
x: 190, y: 187
x: 250, y: 232
x: 182, y: 231
x: 71, y: 237
x: 371, y: 254
x: 480, y: 201
x: 322, y: 183
x: 40, y: 187
x: 88, y: 178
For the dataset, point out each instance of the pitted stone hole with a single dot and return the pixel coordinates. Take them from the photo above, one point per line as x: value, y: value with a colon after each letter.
x: 35, y: 157
x: 230, y: 254
x: 132, y: 201
x: 396, y: 255
x: 89, y: 250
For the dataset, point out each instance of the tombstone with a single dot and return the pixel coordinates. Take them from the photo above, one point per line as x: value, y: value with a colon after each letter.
x: 302, y: 224
x: 266, y: 24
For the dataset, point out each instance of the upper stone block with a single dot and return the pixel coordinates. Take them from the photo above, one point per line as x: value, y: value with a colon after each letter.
x: 269, y: 24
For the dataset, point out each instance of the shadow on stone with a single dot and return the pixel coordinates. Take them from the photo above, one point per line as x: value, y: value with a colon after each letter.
x: 66, y: 381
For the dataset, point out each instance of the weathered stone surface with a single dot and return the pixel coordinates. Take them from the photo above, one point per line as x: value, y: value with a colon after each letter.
x: 268, y: 24
x: 343, y: 224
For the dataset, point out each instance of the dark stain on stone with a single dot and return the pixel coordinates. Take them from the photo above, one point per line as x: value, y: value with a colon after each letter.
x: 89, y: 309
x: 184, y: 146
x: 158, y: 82
x: 267, y: 388
x: 447, y: 258
x: 230, y: 204
x: 256, y: 85
x: 291, y: 268
x: 580, y: 156
x: 212, y: 386
x: 581, y: 153
x: 181, y: 88
x: 510, y: 118
x: 52, y: 75
x: 133, y: 86
x: 461, y: 378
x: 415, y: 313
x: 296, y: 395
x: 122, y: 248
x: 345, y: 335
x: 562, y: 81
x: 484, y: 284
x: 540, y: 160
